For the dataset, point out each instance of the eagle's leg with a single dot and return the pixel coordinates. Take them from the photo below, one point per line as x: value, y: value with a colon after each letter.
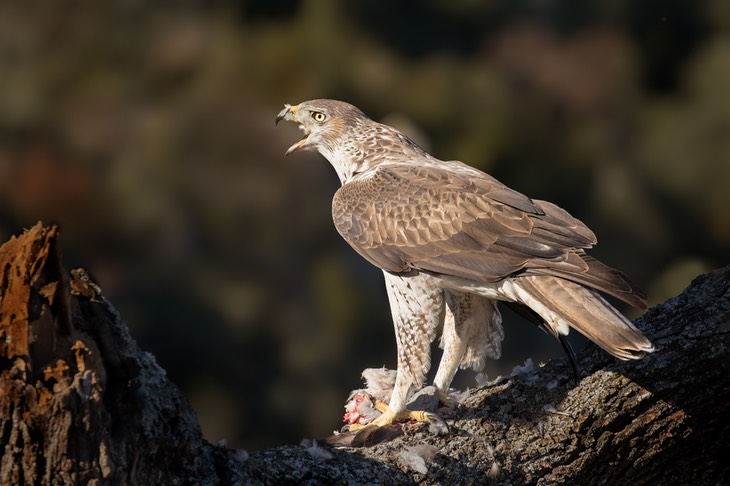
x: 416, y: 303
x: 453, y: 342
x: 396, y: 411
x: 472, y: 332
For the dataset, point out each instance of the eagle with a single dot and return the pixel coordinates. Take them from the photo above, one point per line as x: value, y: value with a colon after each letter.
x: 452, y: 241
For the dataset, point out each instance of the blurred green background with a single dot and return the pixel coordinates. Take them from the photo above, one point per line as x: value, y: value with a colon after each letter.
x: 146, y: 129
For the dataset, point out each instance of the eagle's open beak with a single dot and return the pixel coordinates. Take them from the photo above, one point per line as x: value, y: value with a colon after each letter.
x: 289, y: 113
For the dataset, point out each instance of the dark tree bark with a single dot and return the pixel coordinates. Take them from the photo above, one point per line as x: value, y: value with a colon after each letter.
x: 80, y: 403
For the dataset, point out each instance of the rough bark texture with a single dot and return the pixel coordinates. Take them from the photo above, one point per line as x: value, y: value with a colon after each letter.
x: 80, y: 403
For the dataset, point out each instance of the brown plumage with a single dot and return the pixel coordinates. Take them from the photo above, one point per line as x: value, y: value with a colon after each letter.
x: 447, y: 235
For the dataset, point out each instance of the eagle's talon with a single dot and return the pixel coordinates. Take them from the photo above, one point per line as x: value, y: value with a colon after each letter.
x: 436, y: 424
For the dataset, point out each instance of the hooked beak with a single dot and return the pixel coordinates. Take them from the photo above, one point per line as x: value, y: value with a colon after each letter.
x: 289, y: 113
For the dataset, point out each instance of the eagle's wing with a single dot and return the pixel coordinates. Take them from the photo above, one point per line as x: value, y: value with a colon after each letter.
x: 448, y: 218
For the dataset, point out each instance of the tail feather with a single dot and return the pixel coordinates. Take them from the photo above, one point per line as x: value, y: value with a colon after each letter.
x: 586, y: 270
x: 564, y: 304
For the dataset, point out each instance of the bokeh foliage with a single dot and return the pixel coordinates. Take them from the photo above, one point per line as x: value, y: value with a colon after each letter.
x: 146, y: 130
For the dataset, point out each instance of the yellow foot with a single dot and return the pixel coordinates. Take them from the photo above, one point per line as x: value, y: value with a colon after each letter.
x: 437, y: 425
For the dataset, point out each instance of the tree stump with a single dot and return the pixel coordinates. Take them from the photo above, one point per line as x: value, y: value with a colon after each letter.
x: 80, y: 403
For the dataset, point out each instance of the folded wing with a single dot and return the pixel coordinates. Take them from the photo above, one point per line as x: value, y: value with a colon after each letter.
x: 451, y: 219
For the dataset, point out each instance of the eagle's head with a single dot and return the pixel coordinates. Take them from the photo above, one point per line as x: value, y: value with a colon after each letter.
x: 344, y: 135
x: 326, y: 124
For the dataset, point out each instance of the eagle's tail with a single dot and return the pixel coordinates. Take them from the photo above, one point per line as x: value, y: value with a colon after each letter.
x: 563, y: 304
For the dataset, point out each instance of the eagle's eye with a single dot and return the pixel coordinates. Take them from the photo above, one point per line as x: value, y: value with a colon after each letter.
x: 318, y: 116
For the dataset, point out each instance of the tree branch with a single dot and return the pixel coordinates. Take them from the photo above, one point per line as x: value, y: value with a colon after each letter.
x: 81, y: 403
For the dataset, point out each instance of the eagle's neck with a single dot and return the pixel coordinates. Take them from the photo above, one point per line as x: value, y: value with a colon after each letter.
x: 368, y: 146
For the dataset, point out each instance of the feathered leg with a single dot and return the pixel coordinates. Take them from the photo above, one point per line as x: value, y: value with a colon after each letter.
x: 472, y: 332
x: 416, y: 303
